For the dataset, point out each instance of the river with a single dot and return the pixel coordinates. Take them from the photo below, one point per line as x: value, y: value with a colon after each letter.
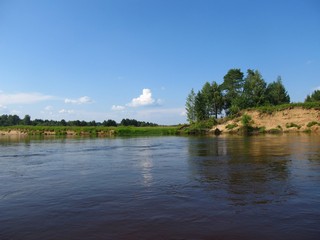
x: 225, y: 187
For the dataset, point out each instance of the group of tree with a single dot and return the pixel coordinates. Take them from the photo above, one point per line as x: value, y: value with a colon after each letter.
x: 314, y: 97
x: 14, y: 120
x: 235, y: 93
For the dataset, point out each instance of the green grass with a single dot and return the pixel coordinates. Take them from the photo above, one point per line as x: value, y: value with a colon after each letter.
x: 231, y: 126
x: 271, y: 109
x: 96, y: 131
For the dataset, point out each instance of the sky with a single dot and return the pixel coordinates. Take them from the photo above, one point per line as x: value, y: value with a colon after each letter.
x: 139, y: 59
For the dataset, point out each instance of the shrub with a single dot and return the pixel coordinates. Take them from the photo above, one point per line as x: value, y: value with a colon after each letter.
x: 310, y: 124
x: 246, y: 120
x: 291, y: 125
x: 231, y: 126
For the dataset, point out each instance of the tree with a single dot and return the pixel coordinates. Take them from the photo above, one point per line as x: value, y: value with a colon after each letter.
x: 200, y: 113
x: 217, y: 99
x: 190, y: 107
x: 314, y: 97
x: 109, y: 123
x: 254, y: 90
x: 26, y: 120
x: 63, y: 122
x: 232, y: 86
x: 206, y: 93
x: 276, y: 93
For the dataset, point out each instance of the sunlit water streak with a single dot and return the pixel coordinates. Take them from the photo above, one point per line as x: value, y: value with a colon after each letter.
x: 260, y: 187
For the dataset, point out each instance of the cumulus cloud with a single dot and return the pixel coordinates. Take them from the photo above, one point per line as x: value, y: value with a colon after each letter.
x: 117, y: 107
x: 66, y: 111
x: 81, y: 100
x: 144, y: 99
x: 22, y: 98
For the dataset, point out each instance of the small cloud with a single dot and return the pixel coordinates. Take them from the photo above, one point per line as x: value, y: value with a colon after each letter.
x: 81, y: 100
x: 117, y: 108
x: 22, y: 98
x: 66, y: 111
x: 2, y: 107
x: 48, y: 108
x: 144, y: 99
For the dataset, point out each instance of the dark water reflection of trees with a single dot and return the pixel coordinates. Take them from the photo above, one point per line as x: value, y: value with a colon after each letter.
x: 248, y: 170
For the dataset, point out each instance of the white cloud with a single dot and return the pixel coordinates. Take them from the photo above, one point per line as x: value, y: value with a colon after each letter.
x: 66, y: 111
x: 81, y: 100
x: 22, y: 98
x: 48, y: 108
x: 117, y: 107
x: 144, y: 99
x: 2, y: 107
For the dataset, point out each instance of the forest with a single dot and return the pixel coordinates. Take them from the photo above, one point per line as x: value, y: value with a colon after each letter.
x: 235, y: 93
x: 14, y: 120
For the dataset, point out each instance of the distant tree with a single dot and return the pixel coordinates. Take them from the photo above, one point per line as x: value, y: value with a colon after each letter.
x: 314, y: 97
x: 92, y: 123
x: 26, y: 120
x: 109, y: 123
x: 232, y: 86
x: 276, y: 93
x: 190, y: 107
x: 63, y: 122
x: 13, y: 120
x: 254, y: 90
x: 129, y: 122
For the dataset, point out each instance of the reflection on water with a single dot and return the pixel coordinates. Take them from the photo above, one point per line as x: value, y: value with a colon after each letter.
x: 253, y: 170
x: 226, y: 187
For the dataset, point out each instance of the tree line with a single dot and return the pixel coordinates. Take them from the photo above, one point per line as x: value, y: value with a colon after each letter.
x: 235, y: 93
x: 14, y: 120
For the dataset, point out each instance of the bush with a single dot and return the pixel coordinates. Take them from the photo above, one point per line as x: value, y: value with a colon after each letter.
x: 291, y: 125
x: 231, y: 126
x: 246, y: 120
x: 310, y: 124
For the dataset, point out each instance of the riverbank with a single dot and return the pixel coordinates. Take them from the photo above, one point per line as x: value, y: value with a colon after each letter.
x: 87, y: 131
x: 292, y: 119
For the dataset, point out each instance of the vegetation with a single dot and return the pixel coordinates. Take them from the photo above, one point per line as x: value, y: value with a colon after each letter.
x: 310, y: 124
x: 314, y: 97
x: 270, y: 109
x: 94, y: 131
x: 14, y: 120
x: 291, y: 125
x: 237, y: 92
x: 80, y: 128
x: 231, y: 126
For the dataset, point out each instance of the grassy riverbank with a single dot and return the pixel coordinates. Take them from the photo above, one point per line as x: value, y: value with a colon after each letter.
x: 89, y: 131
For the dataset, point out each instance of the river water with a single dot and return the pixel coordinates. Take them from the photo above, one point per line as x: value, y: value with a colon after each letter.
x: 226, y: 187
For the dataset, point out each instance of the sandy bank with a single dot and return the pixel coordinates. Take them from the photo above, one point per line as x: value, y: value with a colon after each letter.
x: 295, y: 119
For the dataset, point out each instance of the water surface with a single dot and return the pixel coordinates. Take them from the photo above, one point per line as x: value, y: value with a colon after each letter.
x: 260, y: 187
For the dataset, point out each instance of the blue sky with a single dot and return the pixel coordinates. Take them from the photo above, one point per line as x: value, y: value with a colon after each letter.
x: 114, y: 59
